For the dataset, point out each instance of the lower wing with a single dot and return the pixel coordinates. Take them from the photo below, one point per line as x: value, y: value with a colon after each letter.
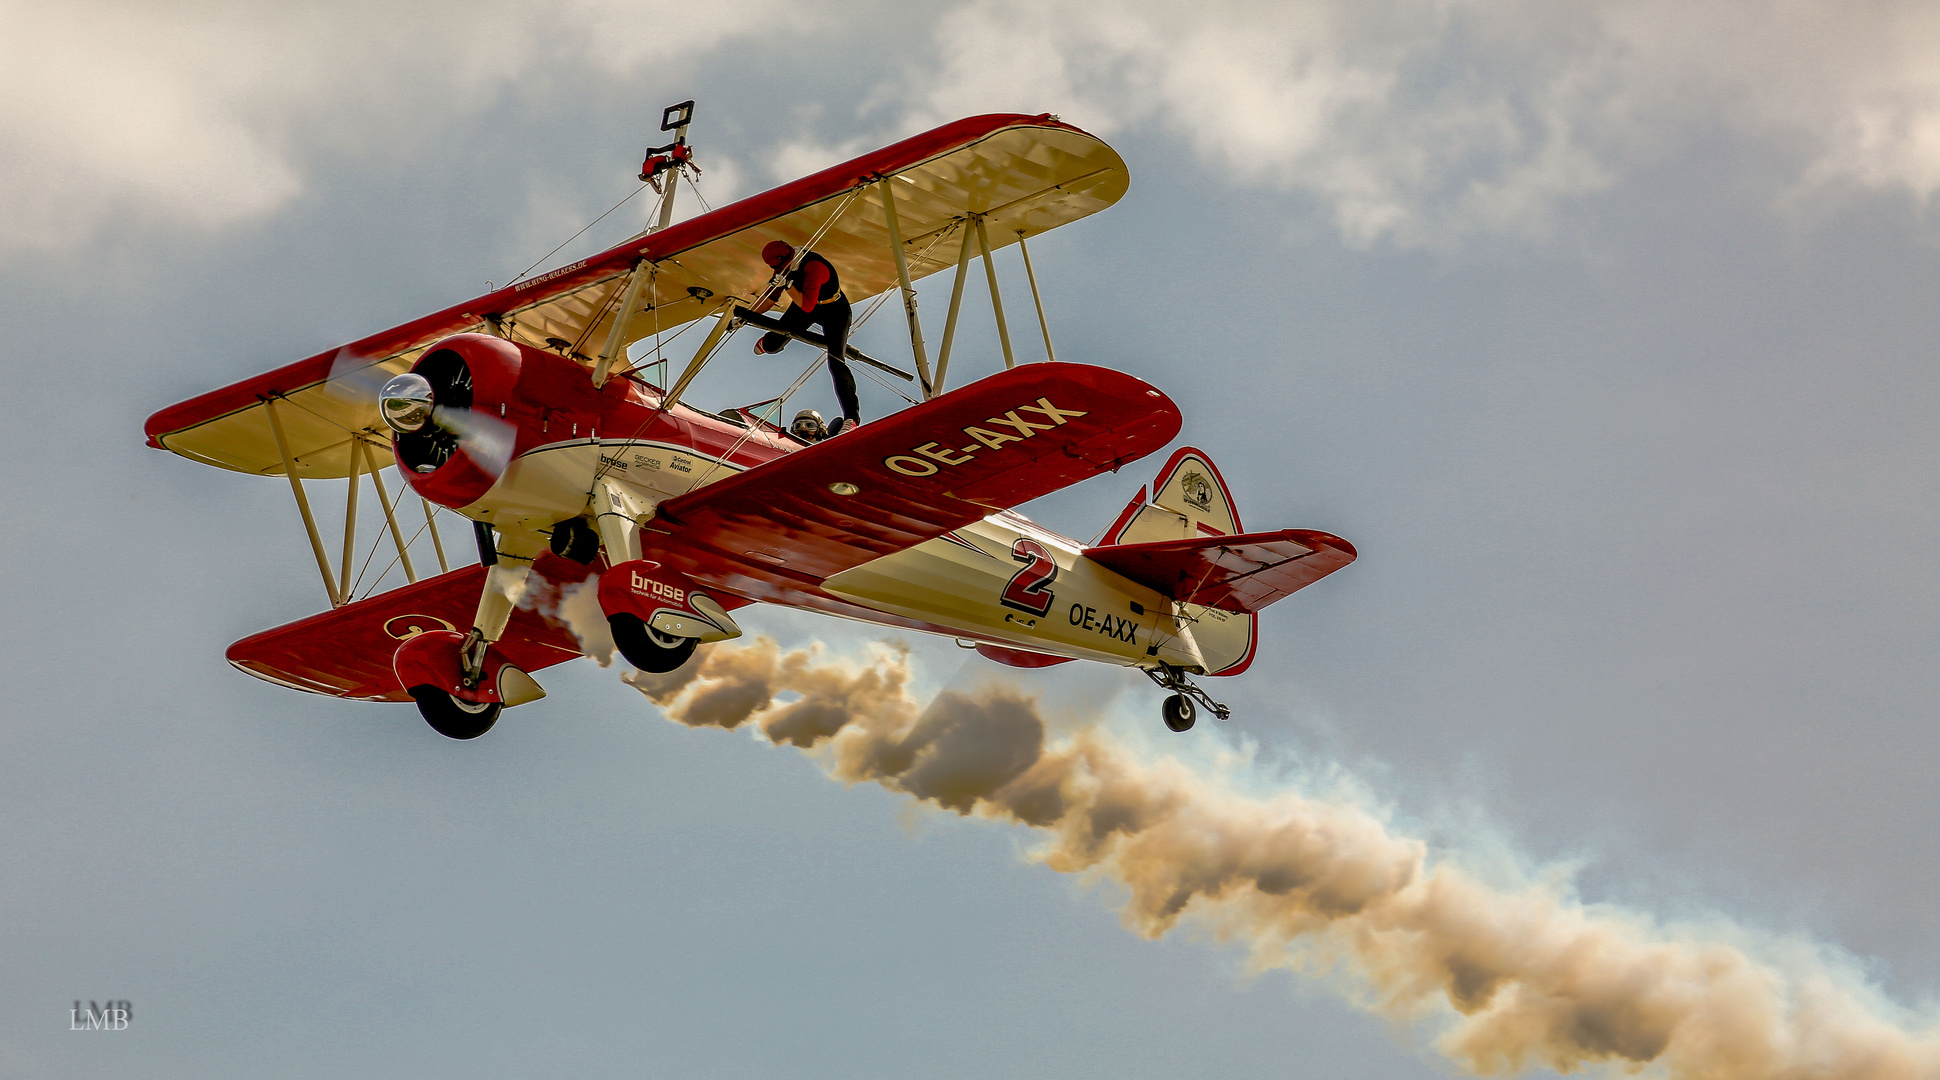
x: 346, y: 652
x: 893, y: 483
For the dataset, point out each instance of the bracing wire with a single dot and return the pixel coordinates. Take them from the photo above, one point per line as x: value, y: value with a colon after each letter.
x: 748, y: 432
x: 611, y: 302
x: 876, y: 378
x: 605, y: 467
x: 369, y: 557
x: 577, y: 235
x: 655, y: 352
x: 695, y: 183
x: 876, y: 305
x: 801, y: 251
x: 392, y: 563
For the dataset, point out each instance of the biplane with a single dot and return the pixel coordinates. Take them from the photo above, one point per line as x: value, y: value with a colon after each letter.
x: 542, y: 414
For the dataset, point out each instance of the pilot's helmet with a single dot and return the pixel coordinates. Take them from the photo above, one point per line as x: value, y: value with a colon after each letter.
x: 777, y: 253
x: 808, y: 426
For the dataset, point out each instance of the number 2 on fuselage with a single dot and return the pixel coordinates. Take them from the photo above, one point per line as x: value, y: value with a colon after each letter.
x: 1029, y: 589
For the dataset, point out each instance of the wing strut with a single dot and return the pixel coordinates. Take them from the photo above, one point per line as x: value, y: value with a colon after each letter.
x: 350, y: 519
x: 384, y: 500
x: 956, y: 305
x: 996, y: 298
x: 302, y: 502
x: 637, y: 280
x: 1049, y: 353
x: 974, y: 233
x: 722, y: 325
x: 909, y: 291
x: 437, y: 544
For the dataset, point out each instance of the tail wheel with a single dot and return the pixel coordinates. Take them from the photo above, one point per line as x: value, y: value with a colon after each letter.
x: 1179, y: 712
x: 646, y: 648
x: 455, y: 718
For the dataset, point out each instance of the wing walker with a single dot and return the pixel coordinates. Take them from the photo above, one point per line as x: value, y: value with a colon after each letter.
x: 542, y: 412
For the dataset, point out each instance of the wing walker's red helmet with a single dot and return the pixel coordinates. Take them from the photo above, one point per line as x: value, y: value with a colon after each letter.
x: 777, y: 254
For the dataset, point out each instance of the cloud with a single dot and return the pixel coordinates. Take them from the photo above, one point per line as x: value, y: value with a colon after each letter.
x: 1412, y: 122
x: 1519, y: 973
x: 201, y: 115
x: 1426, y: 121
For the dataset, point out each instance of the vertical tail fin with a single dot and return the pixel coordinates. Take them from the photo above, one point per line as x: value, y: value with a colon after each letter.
x: 1188, y: 500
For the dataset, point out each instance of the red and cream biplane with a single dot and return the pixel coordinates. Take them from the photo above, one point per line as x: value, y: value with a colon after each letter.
x: 526, y: 412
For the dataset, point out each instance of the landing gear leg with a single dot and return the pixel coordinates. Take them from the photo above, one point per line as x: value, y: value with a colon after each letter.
x: 617, y: 512
x: 1179, y: 710
x: 454, y: 717
x: 504, y: 582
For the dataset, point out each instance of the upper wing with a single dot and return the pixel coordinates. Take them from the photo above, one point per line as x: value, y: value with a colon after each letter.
x: 1024, y: 174
x: 1234, y: 573
x: 346, y: 652
x: 918, y: 474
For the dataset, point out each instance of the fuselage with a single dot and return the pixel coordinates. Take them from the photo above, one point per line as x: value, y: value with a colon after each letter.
x: 1004, y: 581
x: 970, y: 583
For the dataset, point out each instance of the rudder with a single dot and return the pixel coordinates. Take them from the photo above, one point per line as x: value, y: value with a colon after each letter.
x: 1189, y: 500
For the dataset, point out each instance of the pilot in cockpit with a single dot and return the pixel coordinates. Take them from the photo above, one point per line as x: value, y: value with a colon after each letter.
x: 808, y: 426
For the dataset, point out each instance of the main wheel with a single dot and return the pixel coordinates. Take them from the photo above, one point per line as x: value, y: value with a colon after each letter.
x: 646, y: 648
x: 455, y: 718
x: 1179, y: 712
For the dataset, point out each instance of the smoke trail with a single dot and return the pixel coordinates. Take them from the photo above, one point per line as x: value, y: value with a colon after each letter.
x: 578, y: 609
x: 1528, y: 976
x: 576, y: 606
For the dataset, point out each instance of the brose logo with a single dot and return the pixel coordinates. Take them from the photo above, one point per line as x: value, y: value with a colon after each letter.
x: 925, y: 460
x: 647, y: 585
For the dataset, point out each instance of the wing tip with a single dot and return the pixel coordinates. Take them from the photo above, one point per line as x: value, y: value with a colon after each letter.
x: 1310, y: 537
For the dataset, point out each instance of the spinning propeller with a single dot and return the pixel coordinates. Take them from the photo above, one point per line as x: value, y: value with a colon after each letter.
x: 434, y: 411
x: 409, y: 402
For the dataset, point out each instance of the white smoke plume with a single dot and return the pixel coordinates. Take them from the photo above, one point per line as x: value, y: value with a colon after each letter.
x: 576, y: 606
x: 1524, y: 975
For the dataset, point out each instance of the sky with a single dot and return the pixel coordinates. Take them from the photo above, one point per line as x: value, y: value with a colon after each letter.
x: 1603, y: 332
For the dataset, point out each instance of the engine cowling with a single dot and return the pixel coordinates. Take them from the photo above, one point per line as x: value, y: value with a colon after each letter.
x: 491, y: 400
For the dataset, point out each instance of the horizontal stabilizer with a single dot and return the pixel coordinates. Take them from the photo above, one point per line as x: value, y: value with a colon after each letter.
x: 1240, y: 573
x: 346, y: 652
